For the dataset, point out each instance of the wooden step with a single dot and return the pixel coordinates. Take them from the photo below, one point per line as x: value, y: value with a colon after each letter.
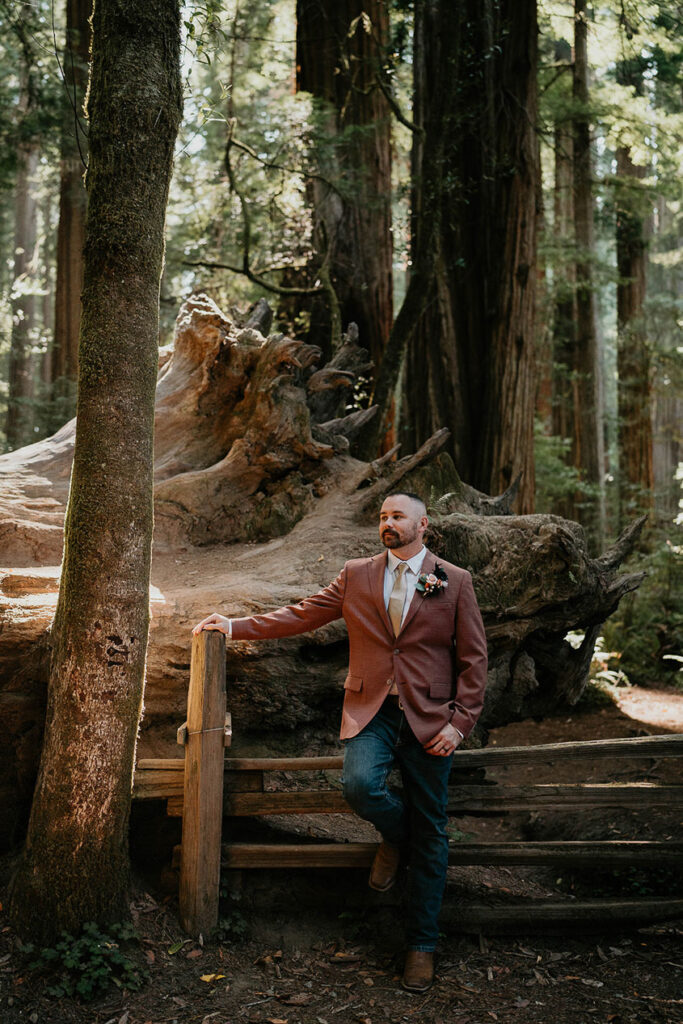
x: 575, y: 853
x: 558, y: 916
x: 638, y: 746
x: 463, y: 799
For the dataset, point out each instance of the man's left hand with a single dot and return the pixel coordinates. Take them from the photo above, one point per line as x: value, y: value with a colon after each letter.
x: 445, y: 742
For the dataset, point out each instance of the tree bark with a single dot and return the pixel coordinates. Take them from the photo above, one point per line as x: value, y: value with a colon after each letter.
x: 470, y: 358
x: 72, y: 210
x: 634, y: 389
x: 19, y: 419
x: 564, y: 304
x: 339, y: 50
x: 75, y: 864
x: 588, y: 445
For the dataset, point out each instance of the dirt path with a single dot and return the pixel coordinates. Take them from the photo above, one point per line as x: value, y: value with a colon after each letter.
x: 334, y: 970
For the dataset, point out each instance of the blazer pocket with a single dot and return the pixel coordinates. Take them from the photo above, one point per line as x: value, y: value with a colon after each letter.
x: 440, y: 691
x: 353, y: 683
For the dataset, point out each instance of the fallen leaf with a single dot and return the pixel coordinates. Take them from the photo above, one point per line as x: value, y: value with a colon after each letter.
x: 194, y: 953
x: 592, y: 982
x: 276, y: 1020
x: 368, y: 981
x: 149, y: 956
x: 208, y: 978
x: 178, y: 945
x: 298, y: 999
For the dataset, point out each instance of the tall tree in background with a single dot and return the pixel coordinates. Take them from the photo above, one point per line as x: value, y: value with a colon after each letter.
x: 339, y: 49
x: 636, y: 479
x: 75, y: 864
x: 470, y: 355
x: 564, y: 292
x: 588, y: 445
x: 72, y: 207
x: 19, y: 420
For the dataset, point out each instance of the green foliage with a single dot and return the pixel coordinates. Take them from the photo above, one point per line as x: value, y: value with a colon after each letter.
x: 233, y: 928
x: 85, y: 965
x: 555, y: 480
x: 647, y: 627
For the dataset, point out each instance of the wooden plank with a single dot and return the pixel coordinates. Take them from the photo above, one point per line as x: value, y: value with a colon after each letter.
x: 160, y: 764
x: 284, y: 764
x: 156, y: 784
x: 298, y: 855
x: 203, y: 790
x: 637, y: 746
x: 572, y: 852
x: 558, y: 916
x: 244, y: 797
x: 326, y: 801
x: 301, y: 855
x: 670, y: 745
x: 466, y: 799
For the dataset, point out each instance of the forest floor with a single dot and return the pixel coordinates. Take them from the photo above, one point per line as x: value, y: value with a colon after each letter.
x: 309, y: 966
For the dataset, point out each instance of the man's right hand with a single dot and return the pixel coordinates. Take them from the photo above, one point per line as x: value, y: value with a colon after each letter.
x: 214, y: 621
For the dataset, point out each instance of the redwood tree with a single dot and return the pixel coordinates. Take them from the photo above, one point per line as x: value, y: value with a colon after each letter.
x: 588, y: 444
x: 72, y: 207
x: 470, y: 335
x: 75, y: 864
x: 634, y: 373
x: 339, y: 51
x: 19, y: 419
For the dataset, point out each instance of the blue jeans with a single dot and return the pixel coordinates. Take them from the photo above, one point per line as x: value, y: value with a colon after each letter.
x: 417, y: 819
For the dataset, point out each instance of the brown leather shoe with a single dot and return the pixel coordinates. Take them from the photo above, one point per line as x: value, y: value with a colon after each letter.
x: 418, y: 973
x: 384, y: 867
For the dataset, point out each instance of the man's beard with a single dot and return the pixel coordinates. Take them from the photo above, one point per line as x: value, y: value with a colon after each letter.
x: 391, y: 539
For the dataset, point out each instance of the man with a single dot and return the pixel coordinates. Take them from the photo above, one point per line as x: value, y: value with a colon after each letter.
x: 417, y: 673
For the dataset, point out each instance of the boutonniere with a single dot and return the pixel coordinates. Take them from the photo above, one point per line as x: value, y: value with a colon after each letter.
x: 429, y: 583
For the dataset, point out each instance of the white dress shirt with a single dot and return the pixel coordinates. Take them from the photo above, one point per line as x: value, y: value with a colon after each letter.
x: 413, y: 570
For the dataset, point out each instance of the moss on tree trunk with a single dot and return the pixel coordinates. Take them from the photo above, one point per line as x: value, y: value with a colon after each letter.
x: 75, y: 865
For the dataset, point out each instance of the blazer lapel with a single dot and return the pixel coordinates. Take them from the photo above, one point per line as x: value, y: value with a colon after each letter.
x: 418, y: 598
x: 376, y: 569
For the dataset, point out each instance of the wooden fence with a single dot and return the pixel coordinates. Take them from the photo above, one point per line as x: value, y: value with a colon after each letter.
x: 204, y: 786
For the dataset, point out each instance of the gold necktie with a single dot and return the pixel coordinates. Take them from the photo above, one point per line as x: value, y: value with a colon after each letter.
x: 398, y: 597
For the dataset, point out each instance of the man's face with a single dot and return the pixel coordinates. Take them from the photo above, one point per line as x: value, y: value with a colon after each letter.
x: 401, y: 522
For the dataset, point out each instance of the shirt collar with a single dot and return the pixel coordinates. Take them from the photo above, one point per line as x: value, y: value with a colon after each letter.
x: 414, y: 563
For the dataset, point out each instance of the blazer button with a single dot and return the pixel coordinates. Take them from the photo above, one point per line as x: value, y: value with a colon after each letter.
x: 397, y: 651
x: 389, y: 682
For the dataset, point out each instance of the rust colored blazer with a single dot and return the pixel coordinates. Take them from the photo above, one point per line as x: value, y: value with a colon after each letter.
x: 438, y: 659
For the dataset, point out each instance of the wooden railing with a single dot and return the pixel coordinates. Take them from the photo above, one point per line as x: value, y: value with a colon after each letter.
x: 204, y: 786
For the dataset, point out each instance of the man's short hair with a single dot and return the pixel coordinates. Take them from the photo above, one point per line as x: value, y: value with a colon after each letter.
x: 408, y: 494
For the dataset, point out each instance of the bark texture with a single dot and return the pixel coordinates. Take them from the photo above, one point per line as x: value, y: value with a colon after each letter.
x: 251, y: 445
x: 469, y: 316
x: 565, y: 400
x: 588, y: 443
x: 19, y: 419
x: 339, y: 51
x: 634, y: 391
x: 72, y: 210
x: 75, y: 864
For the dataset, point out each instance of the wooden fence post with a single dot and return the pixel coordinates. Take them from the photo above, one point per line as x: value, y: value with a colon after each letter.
x: 200, y: 864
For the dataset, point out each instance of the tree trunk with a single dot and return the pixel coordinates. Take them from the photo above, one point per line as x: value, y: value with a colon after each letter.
x: 339, y: 51
x: 634, y: 389
x: 75, y: 865
x: 564, y: 306
x: 470, y: 358
x: 19, y: 420
x: 588, y: 446
x: 72, y: 210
